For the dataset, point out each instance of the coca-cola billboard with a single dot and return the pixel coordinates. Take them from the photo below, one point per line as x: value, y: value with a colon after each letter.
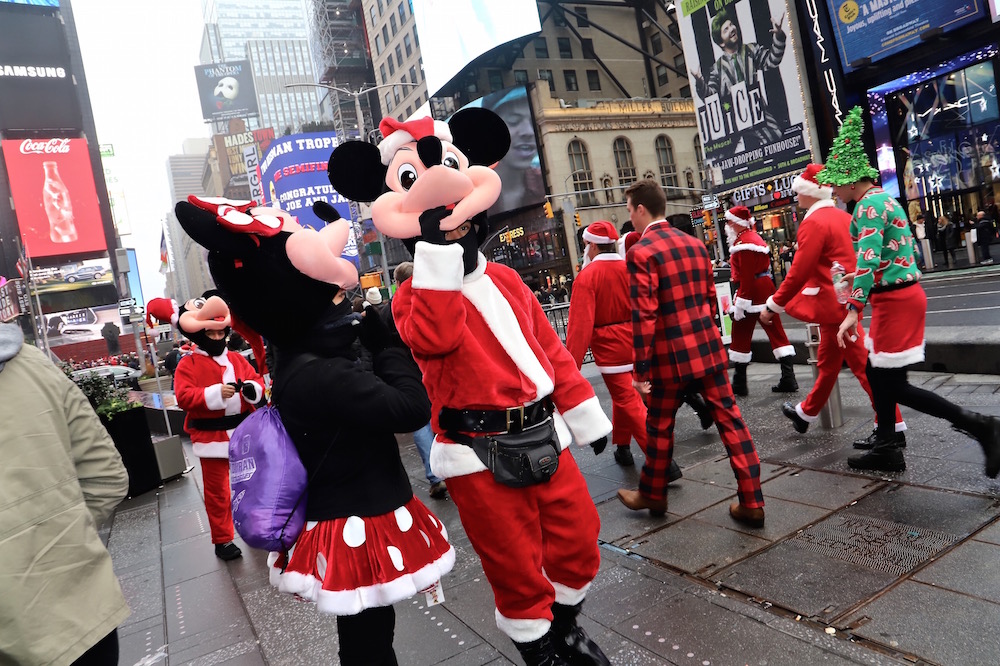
x: 55, y: 199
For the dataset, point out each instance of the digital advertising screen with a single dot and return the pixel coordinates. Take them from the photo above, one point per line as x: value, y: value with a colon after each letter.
x: 226, y: 90
x: 747, y: 97
x: 293, y: 177
x: 453, y: 33
x: 520, y: 170
x: 878, y: 28
x: 55, y: 199
x: 35, y: 65
x: 32, y: 3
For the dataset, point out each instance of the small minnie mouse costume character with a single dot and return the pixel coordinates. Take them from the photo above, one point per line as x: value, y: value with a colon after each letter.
x: 496, y: 373
x: 368, y: 542
x: 217, y: 389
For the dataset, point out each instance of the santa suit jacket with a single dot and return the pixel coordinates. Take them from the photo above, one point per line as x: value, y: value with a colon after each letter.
x: 807, y: 293
x: 600, y: 316
x: 750, y: 266
x: 482, y: 341
x: 198, y: 383
x: 674, y: 307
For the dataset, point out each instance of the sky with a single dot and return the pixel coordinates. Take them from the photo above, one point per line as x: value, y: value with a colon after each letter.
x: 139, y: 58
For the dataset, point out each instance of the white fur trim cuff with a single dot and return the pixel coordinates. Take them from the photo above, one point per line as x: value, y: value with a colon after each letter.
x: 736, y: 219
x: 901, y: 426
x: 210, y: 449
x: 740, y: 357
x: 587, y: 421
x: 522, y: 631
x: 751, y: 247
x: 213, y: 397
x: 615, y: 369
x: 743, y: 304
x: 802, y: 415
x: 565, y: 595
x: 782, y: 352
x: 448, y: 460
x: 899, y: 359
x: 390, y: 144
x: 802, y: 186
x: 437, y: 267
x: 770, y: 303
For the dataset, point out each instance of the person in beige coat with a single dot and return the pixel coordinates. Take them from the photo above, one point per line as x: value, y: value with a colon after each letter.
x: 61, y: 477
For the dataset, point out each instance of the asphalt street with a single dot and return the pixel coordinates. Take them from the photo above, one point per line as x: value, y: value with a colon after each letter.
x: 971, y: 298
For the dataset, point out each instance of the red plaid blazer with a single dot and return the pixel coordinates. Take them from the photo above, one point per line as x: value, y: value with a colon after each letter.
x: 673, y: 307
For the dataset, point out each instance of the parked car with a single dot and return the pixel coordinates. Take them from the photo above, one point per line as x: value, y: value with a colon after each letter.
x: 121, y: 374
x: 86, y: 273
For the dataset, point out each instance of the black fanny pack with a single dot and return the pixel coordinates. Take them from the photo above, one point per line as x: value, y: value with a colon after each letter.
x: 520, y: 459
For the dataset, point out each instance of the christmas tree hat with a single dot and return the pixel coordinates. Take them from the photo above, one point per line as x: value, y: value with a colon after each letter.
x: 847, y: 162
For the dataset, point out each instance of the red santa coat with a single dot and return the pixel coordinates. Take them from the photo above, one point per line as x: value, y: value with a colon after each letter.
x: 482, y: 341
x: 807, y: 292
x: 600, y: 315
x: 198, y: 382
x: 750, y: 266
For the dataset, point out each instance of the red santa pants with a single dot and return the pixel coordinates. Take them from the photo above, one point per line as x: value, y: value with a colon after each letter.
x: 830, y: 358
x: 628, y: 412
x: 538, y: 545
x: 739, y: 349
x: 218, y: 498
x: 665, y: 399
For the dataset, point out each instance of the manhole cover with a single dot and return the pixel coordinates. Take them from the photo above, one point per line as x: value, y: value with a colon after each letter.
x: 881, y: 545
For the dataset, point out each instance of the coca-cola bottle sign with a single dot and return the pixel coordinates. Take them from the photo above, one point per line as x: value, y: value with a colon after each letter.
x: 50, y: 147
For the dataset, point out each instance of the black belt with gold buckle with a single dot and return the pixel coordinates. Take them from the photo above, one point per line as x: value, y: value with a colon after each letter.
x: 513, y: 419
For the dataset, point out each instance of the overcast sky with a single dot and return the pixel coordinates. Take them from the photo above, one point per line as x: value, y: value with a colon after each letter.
x: 139, y: 58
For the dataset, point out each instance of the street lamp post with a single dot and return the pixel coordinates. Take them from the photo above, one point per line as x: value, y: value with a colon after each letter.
x: 355, y: 210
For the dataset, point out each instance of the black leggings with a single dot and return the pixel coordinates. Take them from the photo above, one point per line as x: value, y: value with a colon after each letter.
x: 890, y: 386
x: 103, y: 653
x: 366, y: 638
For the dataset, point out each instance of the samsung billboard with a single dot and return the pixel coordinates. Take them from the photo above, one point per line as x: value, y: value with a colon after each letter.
x: 453, y: 33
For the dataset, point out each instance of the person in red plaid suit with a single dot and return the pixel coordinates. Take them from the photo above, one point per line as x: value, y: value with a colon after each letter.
x: 807, y: 294
x: 750, y: 261
x: 678, y: 347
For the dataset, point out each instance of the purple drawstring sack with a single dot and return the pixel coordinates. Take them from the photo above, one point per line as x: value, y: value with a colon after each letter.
x: 268, y: 482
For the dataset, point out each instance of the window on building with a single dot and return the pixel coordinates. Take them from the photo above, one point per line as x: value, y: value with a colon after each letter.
x: 392, y: 24
x: 380, y: 8
x: 381, y: 71
x: 565, y: 48
x: 388, y: 103
x: 408, y: 112
x: 593, y: 79
x: 496, y: 79
x: 413, y: 74
x: 392, y: 68
x: 581, y: 20
x: 624, y: 162
x: 583, y: 177
x: 407, y: 45
x: 399, y: 55
x: 699, y: 156
x: 656, y: 43
x: 416, y: 37
x: 558, y: 18
x: 472, y: 87
x: 668, y: 167
x: 402, y: 13
x: 520, y: 76
x: 546, y: 75
x: 403, y: 79
x: 371, y: 12
x: 674, y: 31
x: 569, y: 76
x: 541, y: 48
x: 685, y: 92
x: 679, y: 62
x: 587, y: 47
x: 378, y: 44
x: 661, y: 75
x: 395, y: 94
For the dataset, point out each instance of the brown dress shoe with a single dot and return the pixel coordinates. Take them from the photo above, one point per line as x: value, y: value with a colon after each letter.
x: 745, y: 515
x: 633, y: 500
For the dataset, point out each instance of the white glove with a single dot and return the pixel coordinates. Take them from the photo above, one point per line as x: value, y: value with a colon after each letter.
x: 738, y: 312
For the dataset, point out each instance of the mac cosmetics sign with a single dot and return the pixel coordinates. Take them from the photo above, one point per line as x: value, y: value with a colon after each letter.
x: 37, y: 88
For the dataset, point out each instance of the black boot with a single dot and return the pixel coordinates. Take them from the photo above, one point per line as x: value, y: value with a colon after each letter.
x: 787, y: 383
x: 541, y: 652
x: 227, y: 551
x: 986, y: 429
x: 571, y: 643
x: 623, y: 456
x: 699, y: 405
x: 673, y: 472
x: 799, y: 423
x: 869, y: 441
x: 740, y: 379
x: 886, y: 456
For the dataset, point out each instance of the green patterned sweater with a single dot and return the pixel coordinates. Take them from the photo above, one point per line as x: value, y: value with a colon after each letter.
x: 884, y: 244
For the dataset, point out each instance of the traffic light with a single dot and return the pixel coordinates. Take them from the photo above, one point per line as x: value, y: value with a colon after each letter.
x: 708, y: 227
x: 548, y: 210
x: 576, y: 217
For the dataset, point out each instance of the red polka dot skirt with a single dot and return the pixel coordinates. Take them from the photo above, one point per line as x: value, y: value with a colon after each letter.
x: 349, y: 564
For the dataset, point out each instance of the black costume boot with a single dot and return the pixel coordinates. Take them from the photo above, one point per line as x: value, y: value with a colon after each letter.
x: 986, y: 429
x: 799, y: 423
x: 886, y: 456
x: 699, y: 405
x: 740, y: 379
x: 869, y: 441
x: 541, y: 652
x: 571, y: 643
x: 787, y: 383
x: 673, y: 472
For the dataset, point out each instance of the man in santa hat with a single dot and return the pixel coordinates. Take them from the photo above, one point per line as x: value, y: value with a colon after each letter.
x: 807, y: 293
x: 750, y: 261
x: 217, y: 389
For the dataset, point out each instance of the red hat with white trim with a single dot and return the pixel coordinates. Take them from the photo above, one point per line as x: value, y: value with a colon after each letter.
x: 600, y: 233
x: 163, y: 310
x: 806, y: 184
x: 397, y: 134
x: 740, y: 215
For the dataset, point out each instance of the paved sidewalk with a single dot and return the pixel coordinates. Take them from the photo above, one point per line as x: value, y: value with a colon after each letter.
x: 850, y: 569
